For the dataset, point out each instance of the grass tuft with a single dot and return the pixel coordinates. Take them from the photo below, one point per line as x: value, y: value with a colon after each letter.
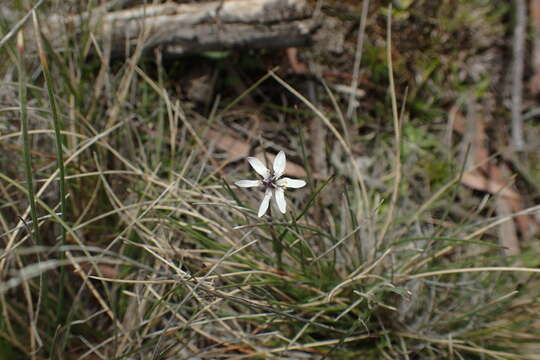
x: 392, y: 251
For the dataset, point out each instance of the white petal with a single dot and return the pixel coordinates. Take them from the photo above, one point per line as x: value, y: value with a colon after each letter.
x: 259, y: 167
x: 265, y: 202
x: 248, y: 183
x: 291, y: 183
x: 279, y: 164
x: 280, y: 200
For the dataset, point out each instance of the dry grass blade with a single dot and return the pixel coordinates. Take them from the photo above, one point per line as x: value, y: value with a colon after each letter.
x: 394, y: 250
x: 397, y: 131
x: 358, y: 57
x: 15, y: 29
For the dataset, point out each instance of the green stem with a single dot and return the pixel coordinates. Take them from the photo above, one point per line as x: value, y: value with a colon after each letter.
x: 23, y: 100
x: 276, y: 242
x: 61, y: 178
x: 59, y: 161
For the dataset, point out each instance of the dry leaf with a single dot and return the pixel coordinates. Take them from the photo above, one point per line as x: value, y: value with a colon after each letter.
x: 493, y: 178
x: 237, y: 149
x: 296, y: 65
x: 480, y: 182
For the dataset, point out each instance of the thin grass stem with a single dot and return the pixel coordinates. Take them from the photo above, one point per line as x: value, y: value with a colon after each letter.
x: 57, y: 124
x: 23, y: 100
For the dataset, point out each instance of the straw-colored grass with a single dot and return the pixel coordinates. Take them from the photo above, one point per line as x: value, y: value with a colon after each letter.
x: 123, y: 236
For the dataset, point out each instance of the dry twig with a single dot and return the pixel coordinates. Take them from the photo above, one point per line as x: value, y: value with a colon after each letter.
x: 517, y: 74
x: 534, y: 83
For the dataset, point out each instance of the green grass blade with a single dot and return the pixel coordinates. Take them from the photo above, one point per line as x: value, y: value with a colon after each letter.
x: 59, y: 160
x: 23, y: 101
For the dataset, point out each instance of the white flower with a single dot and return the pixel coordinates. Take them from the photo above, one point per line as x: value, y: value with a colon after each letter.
x: 272, y: 181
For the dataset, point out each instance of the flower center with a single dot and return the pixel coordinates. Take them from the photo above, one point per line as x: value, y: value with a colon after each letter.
x: 270, y: 182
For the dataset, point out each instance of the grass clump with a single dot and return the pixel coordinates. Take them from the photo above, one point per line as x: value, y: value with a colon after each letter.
x: 148, y: 251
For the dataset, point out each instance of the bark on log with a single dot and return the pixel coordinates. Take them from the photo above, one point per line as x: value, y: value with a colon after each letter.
x: 196, y: 27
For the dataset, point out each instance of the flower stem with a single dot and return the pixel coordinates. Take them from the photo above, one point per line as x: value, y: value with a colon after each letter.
x: 276, y: 242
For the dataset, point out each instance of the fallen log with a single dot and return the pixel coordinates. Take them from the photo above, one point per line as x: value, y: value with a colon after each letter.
x: 180, y: 29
